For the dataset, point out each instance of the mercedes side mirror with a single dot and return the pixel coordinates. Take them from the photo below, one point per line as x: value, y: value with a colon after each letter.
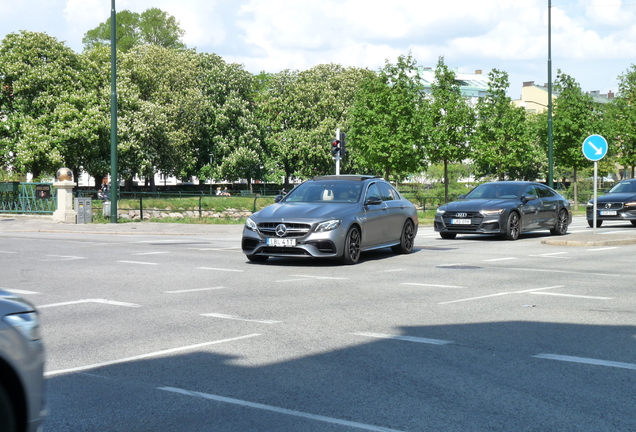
x: 373, y: 200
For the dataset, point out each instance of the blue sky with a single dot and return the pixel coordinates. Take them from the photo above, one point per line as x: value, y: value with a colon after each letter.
x: 592, y: 40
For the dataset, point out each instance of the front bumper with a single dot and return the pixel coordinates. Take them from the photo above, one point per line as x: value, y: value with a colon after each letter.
x: 312, y: 245
x: 479, y: 224
x: 618, y: 214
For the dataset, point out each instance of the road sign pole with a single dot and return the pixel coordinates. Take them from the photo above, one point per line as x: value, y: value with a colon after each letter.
x: 595, y: 175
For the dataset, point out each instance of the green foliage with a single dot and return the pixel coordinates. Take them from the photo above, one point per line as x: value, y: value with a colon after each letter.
x: 50, y: 103
x: 153, y: 26
x: 450, y: 121
x: 621, y: 115
x: 229, y: 131
x: 387, y: 121
x: 300, y: 112
x: 503, y: 144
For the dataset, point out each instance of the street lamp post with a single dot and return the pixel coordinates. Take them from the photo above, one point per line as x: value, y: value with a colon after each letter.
x: 550, y: 155
x: 114, y: 178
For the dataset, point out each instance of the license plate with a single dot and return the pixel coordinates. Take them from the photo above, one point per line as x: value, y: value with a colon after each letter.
x: 461, y: 221
x: 608, y: 212
x: 281, y: 242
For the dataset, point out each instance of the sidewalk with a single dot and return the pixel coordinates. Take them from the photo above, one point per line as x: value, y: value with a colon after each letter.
x: 10, y: 223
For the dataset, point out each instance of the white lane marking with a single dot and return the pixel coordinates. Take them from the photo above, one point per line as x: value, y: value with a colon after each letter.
x: 278, y: 410
x: 100, y: 301
x: 551, y: 255
x: 561, y: 271
x: 291, y: 280
x: 501, y: 294
x: 430, y: 285
x: 601, y: 249
x: 150, y: 253
x: 586, y: 361
x: 193, y: 290
x: 159, y: 241
x: 22, y: 292
x: 391, y: 271
x: 236, y: 318
x: 404, y: 338
x: 573, y: 295
x: 230, y: 249
x: 500, y: 259
x: 321, y: 277
x: 137, y: 262
x: 148, y: 355
x: 62, y: 258
x: 220, y: 269
x: 8, y: 252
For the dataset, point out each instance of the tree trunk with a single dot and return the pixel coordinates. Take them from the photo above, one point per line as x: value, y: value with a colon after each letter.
x: 445, y: 181
x: 576, y: 192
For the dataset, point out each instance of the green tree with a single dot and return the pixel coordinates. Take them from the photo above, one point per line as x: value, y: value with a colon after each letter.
x: 450, y: 122
x: 153, y: 26
x: 230, y: 134
x: 502, y: 145
x: 622, y: 118
x: 300, y: 112
x: 576, y: 116
x: 50, y: 103
x: 159, y: 111
x: 387, y: 121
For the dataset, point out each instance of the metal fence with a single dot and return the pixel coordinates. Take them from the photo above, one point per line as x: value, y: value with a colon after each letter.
x: 29, y: 198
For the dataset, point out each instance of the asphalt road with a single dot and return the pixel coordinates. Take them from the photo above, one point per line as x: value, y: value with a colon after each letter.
x: 149, y: 332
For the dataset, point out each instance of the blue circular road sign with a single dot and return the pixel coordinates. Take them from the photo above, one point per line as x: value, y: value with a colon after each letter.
x: 594, y: 147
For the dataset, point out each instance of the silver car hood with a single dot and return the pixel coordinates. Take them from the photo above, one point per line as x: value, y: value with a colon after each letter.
x: 303, y: 211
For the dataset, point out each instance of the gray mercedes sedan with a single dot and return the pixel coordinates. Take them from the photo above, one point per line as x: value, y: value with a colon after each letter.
x: 332, y: 217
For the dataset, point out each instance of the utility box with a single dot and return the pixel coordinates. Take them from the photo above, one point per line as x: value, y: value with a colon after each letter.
x: 83, y: 210
x: 106, y: 209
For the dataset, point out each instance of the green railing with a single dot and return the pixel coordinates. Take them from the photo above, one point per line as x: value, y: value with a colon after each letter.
x: 27, y: 198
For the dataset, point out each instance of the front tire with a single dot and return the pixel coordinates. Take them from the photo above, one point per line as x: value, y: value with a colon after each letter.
x: 561, y: 225
x: 513, y: 226
x: 447, y: 235
x: 591, y: 223
x: 351, y: 253
x: 406, y: 240
x: 633, y: 222
x: 8, y: 420
x: 257, y: 258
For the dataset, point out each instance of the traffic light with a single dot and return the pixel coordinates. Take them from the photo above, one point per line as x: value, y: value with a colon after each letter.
x: 335, y: 147
x: 343, y: 149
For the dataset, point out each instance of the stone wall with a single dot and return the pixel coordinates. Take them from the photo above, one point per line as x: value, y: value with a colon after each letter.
x: 159, y: 214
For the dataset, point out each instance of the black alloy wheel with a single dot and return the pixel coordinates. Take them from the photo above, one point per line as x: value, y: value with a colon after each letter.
x: 513, y: 227
x: 351, y: 253
x: 407, y: 239
x: 561, y: 225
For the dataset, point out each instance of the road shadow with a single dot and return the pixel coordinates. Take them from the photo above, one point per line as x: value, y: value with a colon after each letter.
x: 465, y: 377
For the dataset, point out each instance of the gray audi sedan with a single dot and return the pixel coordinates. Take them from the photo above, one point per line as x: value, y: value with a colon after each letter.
x: 22, y: 401
x: 332, y: 217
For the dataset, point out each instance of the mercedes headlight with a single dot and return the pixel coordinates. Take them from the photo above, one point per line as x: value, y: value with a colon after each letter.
x: 630, y: 204
x: 328, y: 225
x: 28, y: 324
x: 251, y: 225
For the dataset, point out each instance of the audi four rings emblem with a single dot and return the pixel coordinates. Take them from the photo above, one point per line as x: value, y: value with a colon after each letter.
x: 462, y: 215
x: 281, y: 230
x: 608, y: 205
